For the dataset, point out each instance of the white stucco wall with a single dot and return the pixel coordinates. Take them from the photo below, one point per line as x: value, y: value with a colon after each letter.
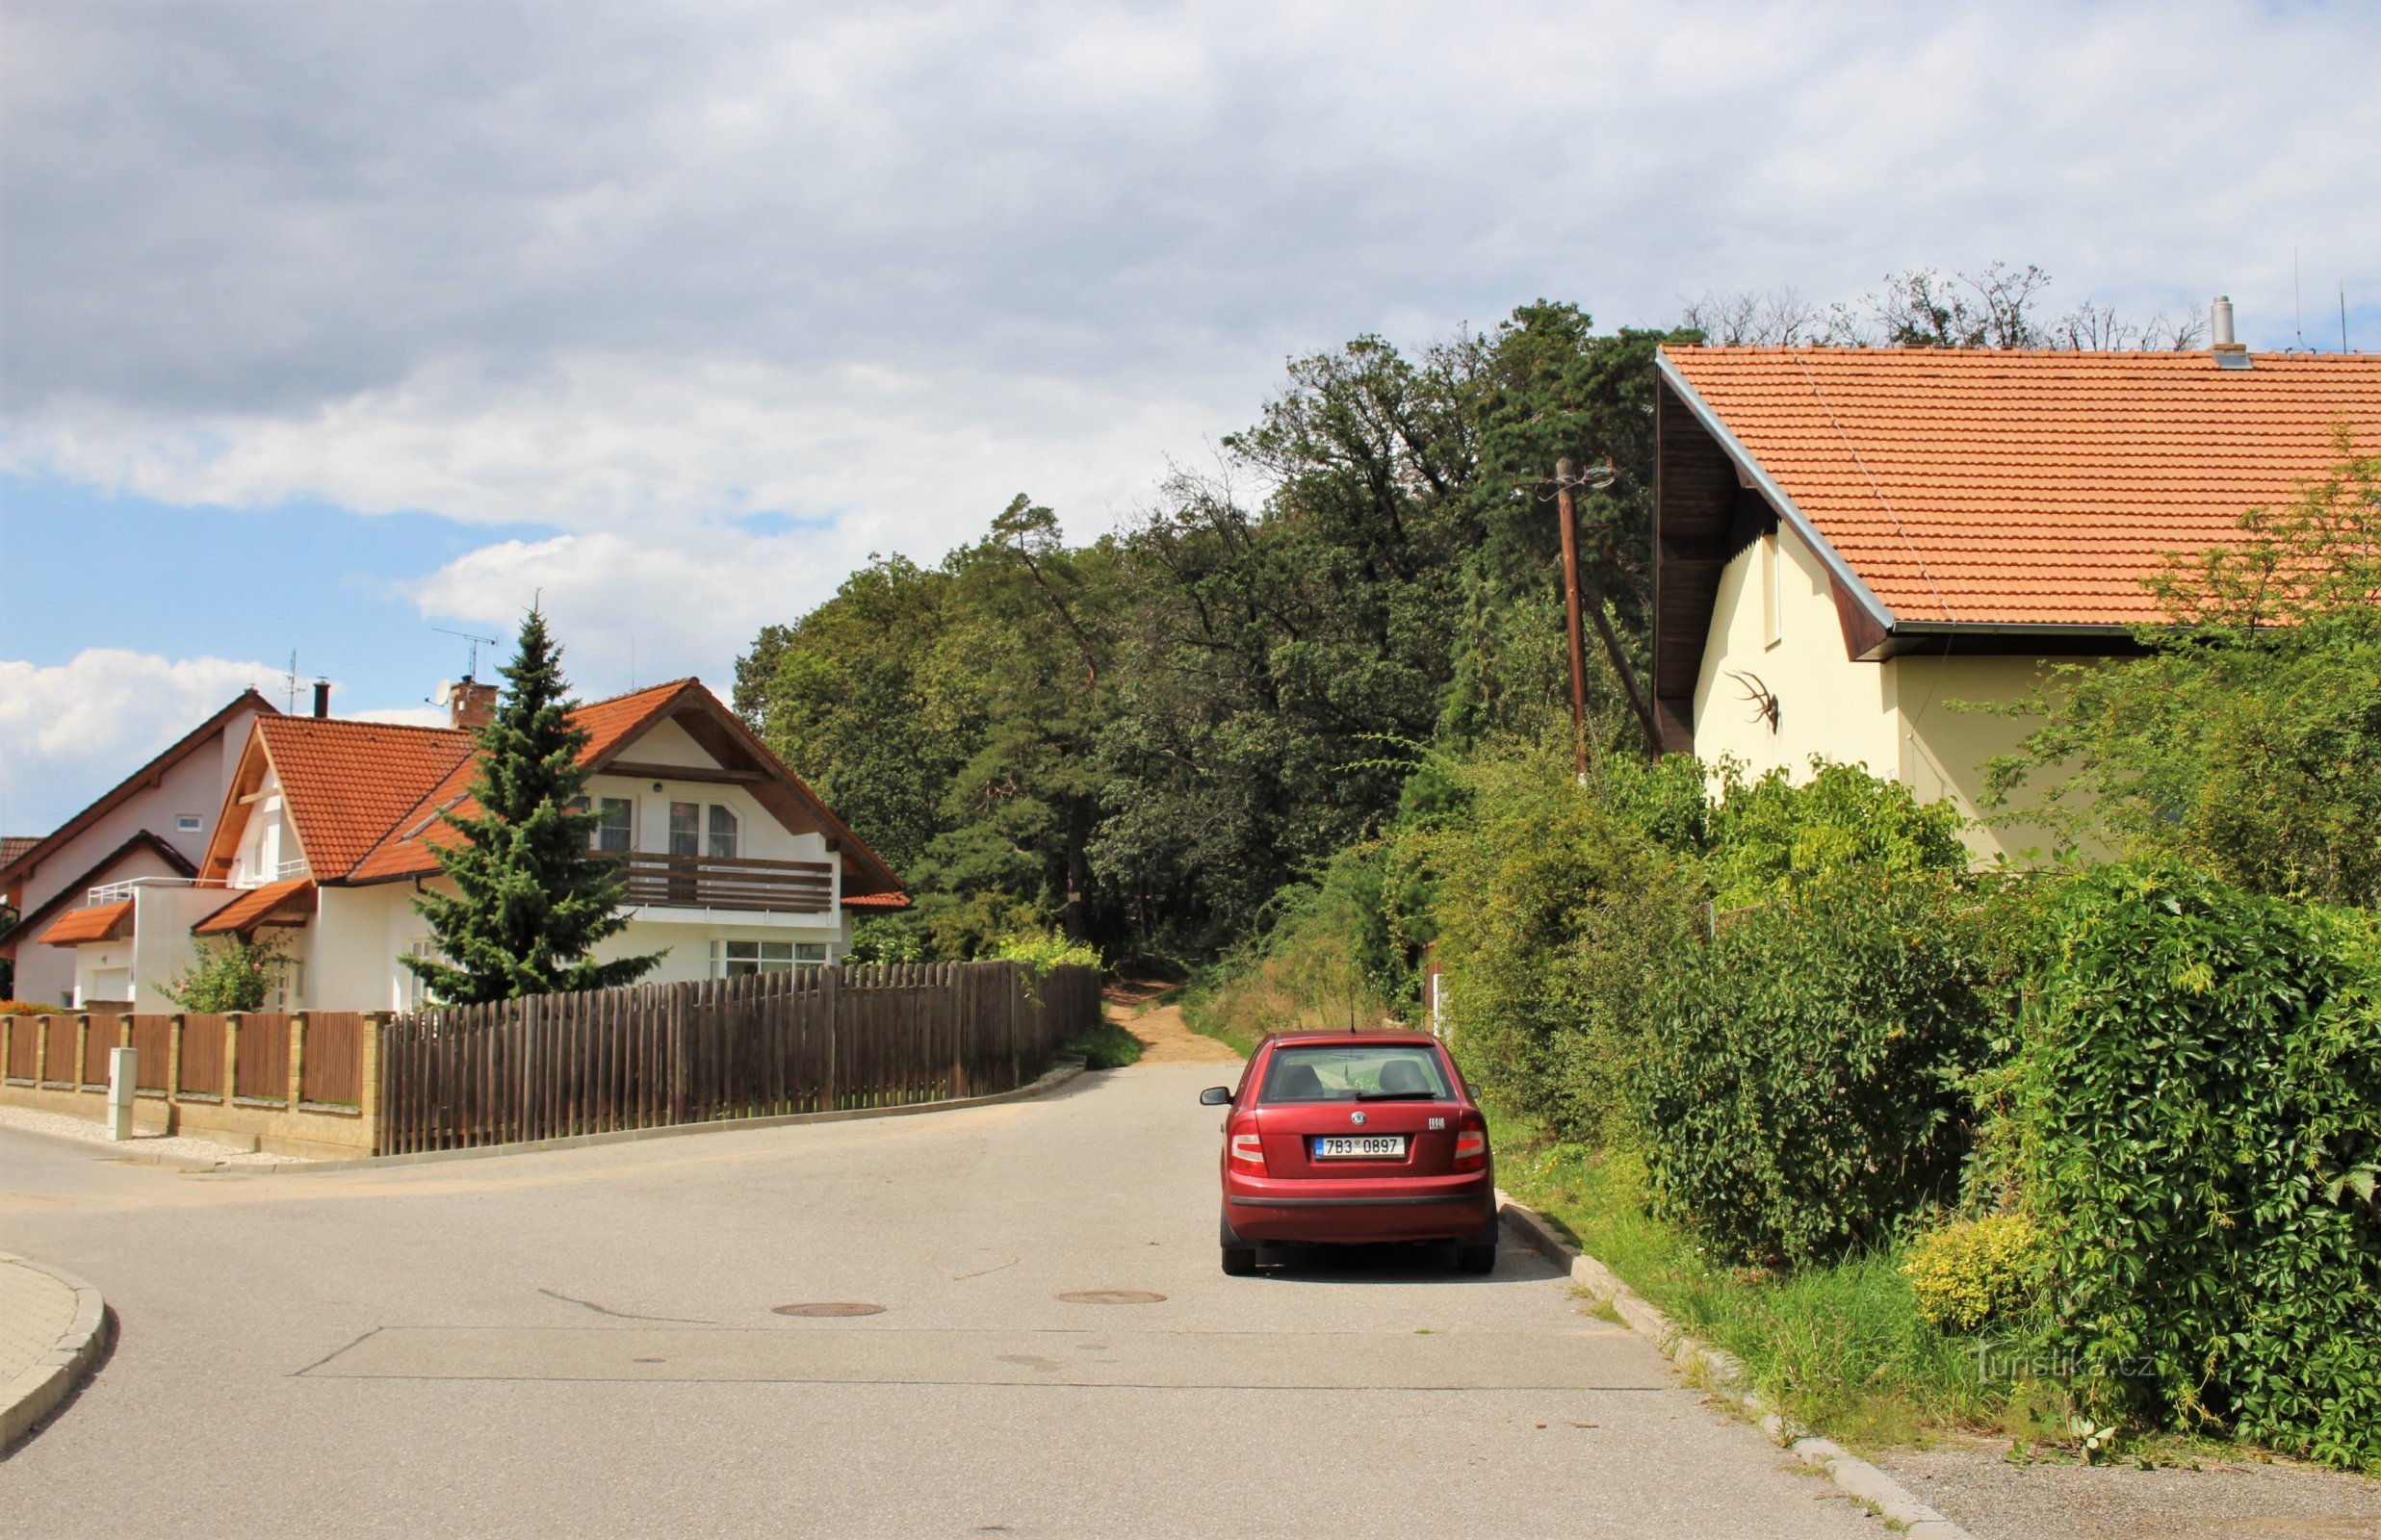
x: 163, y: 914
x: 193, y: 786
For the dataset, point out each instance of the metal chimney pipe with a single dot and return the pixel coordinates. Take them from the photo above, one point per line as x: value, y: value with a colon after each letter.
x: 2219, y: 322
x: 321, y: 697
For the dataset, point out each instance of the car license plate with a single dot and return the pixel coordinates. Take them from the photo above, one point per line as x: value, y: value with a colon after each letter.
x: 1369, y: 1147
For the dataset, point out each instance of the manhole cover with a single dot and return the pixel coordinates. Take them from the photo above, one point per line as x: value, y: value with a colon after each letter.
x: 1113, y: 1297
x: 831, y: 1307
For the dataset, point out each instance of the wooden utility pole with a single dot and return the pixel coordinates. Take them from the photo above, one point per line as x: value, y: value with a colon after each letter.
x: 1565, y: 476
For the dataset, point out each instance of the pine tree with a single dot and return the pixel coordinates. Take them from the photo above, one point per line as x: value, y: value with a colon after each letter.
x: 531, y: 900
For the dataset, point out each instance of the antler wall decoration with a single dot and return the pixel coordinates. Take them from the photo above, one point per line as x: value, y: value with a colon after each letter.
x: 1764, y: 703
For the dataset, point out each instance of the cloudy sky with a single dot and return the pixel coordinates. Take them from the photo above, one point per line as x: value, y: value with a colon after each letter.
x: 328, y: 323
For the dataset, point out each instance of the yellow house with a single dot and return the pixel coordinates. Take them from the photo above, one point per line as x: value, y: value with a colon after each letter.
x: 1847, y: 541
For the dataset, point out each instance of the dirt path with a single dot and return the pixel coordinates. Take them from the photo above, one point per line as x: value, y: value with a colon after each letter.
x: 1166, y: 1039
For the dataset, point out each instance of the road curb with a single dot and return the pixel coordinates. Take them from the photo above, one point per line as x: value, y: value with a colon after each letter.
x: 36, y: 1392
x: 1723, y: 1373
x: 1066, y: 1068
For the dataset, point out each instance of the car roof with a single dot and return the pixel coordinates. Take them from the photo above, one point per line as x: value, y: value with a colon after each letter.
x: 1380, y: 1037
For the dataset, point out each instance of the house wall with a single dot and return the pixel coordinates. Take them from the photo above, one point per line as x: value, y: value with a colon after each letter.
x: 358, y: 934
x: 162, y: 919
x: 759, y: 836
x: 194, y: 786
x: 1896, y: 718
x: 1944, y: 748
x: 60, y: 974
x: 1828, y: 705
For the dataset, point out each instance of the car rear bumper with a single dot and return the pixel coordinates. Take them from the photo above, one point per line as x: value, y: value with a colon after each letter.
x: 1354, y: 1213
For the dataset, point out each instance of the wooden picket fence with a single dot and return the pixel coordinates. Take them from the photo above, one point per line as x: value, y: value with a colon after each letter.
x: 813, y: 1040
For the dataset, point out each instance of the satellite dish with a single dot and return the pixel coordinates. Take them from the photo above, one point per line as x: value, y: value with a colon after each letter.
x: 446, y: 693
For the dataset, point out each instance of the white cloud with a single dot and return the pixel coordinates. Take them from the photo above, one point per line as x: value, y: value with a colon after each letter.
x: 607, y: 441
x: 628, y: 274
x: 70, y: 731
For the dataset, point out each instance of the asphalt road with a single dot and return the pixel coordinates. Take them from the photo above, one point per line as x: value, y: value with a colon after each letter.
x: 588, y: 1342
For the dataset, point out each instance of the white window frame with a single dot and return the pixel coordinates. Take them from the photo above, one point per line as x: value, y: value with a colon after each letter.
x: 188, y: 823
x: 758, y: 956
x: 711, y: 832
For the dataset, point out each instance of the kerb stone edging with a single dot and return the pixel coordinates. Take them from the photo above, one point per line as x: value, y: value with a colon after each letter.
x: 1723, y: 1373
x: 36, y: 1392
x: 1068, y: 1067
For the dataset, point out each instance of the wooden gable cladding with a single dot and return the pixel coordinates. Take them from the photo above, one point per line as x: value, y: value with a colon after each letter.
x: 1701, y: 521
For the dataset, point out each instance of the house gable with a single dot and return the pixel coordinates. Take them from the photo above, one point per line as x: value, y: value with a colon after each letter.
x: 18, y: 876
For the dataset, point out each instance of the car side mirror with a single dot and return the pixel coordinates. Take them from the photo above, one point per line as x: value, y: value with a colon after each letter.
x: 1215, y: 1096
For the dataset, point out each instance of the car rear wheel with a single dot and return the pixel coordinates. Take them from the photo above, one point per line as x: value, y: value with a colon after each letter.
x: 1477, y: 1253
x: 1240, y: 1256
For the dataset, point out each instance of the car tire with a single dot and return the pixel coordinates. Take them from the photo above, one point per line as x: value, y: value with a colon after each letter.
x: 1477, y: 1253
x: 1239, y: 1257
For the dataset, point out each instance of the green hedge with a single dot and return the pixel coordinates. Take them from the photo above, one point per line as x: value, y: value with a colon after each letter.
x: 2202, y: 1115
x: 1801, y: 1093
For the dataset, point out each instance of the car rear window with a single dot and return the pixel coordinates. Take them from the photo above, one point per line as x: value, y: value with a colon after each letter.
x: 1358, y: 1072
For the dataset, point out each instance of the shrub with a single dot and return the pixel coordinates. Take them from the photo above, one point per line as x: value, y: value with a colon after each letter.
x: 1556, y: 917
x: 1803, y: 1089
x: 1041, y: 951
x: 1768, y: 834
x: 2202, y: 1120
x: 26, y: 1008
x: 236, y: 975
x: 1975, y: 1271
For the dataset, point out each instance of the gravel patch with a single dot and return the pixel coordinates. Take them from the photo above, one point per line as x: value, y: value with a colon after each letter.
x: 1968, y: 1481
x: 144, y: 1146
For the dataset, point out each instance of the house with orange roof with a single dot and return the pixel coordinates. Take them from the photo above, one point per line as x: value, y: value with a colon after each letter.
x: 154, y: 823
x: 1850, y: 543
x: 730, y: 864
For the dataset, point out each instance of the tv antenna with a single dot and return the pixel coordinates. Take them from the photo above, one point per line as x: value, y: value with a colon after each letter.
x: 470, y: 670
x: 290, y: 679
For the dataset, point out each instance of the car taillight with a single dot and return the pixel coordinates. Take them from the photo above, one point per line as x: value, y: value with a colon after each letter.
x: 1249, y: 1150
x: 1471, y: 1144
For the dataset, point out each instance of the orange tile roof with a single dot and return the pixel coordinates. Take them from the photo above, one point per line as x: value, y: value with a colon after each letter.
x: 101, y: 922
x: 405, y: 848
x: 346, y: 782
x: 254, y: 907
x: 2029, y: 488
x: 611, y: 723
x: 876, y: 900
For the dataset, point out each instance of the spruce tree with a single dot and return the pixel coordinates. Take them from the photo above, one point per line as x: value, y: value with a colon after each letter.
x: 531, y: 900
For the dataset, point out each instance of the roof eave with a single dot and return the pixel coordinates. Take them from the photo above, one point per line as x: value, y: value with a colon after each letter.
x: 1757, y: 474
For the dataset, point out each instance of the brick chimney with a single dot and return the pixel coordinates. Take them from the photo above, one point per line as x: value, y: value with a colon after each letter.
x: 469, y: 703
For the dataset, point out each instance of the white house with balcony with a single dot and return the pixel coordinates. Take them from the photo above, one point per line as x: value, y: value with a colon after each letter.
x: 330, y: 828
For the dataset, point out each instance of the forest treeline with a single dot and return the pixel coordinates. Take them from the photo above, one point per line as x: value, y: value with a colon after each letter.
x: 1141, y: 738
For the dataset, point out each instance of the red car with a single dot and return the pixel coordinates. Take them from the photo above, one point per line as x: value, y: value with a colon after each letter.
x: 1351, y: 1139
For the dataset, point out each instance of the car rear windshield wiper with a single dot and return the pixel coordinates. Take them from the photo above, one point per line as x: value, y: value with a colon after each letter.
x: 1399, y: 1096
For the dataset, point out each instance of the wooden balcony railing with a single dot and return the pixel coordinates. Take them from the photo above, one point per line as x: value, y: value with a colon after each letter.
x: 714, y: 882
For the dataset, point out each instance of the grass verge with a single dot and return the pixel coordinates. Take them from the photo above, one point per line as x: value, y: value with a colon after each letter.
x: 1206, y: 1011
x: 1842, y: 1349
x: 1105, y: 1046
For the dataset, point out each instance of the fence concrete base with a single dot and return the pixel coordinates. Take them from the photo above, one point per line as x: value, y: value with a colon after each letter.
x: 324, y: 1134
x: 1068, y: 1066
